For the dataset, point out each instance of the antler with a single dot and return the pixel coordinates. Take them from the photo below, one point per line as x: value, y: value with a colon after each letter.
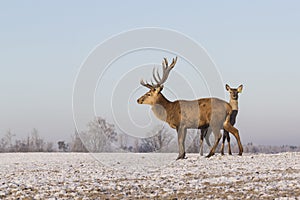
x: 160, y: 80
x: 146, y: 84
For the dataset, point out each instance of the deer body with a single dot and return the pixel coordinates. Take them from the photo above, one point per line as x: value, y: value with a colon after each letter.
x: 184, y: 112
x: 188, y: 114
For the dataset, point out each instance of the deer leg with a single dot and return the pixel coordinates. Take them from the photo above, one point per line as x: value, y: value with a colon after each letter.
x: 181, y: 132
x: 228, y: 127
x: 202, y: 135
x: 223, y: 143
x: 232, y: 122
x: 218, y: 136
x: 207, y: 134
x: 225, y: 136
x: 228, y: 141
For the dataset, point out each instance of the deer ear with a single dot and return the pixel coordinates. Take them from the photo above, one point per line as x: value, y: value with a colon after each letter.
x: 227, y: 87
x: 240, y: 88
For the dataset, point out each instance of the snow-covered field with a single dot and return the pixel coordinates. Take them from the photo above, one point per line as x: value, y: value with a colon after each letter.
x: 148, y: 176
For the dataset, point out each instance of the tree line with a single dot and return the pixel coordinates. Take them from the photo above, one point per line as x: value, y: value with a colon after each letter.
x: 101, y: 136
x: 32, y: 143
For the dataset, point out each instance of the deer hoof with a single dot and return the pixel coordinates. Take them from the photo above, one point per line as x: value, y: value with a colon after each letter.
x: 210, y: 155
x: 182, y: 156
x: 240, y: 154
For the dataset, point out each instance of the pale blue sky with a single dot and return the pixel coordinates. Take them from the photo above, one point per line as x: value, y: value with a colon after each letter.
x: 255, y: 43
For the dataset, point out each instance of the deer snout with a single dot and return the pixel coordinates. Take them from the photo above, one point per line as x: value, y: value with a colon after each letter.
x: 140, y: 101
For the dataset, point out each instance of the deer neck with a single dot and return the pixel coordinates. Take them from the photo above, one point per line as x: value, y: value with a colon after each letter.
x: 234, y: 104
x: 160, y: 107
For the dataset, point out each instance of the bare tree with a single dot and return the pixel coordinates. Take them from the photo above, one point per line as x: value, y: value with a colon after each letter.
x: 123, y: 141
x: 158, y: 142
x: 62, y: 146
x: 49, y: 147
x: 21, y: 146
x: 36, y: 143
x: 136, y: 145
x: 77, y: 144
x: 100, y: 136
x: 7, y: 141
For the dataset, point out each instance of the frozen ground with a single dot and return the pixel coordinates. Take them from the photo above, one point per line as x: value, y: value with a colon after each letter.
x: 148, y: 176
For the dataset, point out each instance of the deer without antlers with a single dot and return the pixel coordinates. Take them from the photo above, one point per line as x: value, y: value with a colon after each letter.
x: 205, y: 133
x: 188, y: 114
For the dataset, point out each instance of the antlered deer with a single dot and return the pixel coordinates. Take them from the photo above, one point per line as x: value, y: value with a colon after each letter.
x: 188, y: 114
x: 205, y: 133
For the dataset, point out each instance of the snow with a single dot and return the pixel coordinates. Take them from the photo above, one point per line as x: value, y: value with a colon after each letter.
x: 155, y: 175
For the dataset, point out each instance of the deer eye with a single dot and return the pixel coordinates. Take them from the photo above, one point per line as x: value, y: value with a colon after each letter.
x: 148, y: 94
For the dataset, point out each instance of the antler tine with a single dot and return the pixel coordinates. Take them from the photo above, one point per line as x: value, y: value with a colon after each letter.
x: 158, y: 76
x: 166, y: 70
x: 173, y: 62
x: 166, y: 64
x: 156, y: 79
x: 146, y: 84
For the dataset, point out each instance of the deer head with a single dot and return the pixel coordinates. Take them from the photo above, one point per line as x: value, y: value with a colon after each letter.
x: 155, y: 88
x: 234, y: 92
